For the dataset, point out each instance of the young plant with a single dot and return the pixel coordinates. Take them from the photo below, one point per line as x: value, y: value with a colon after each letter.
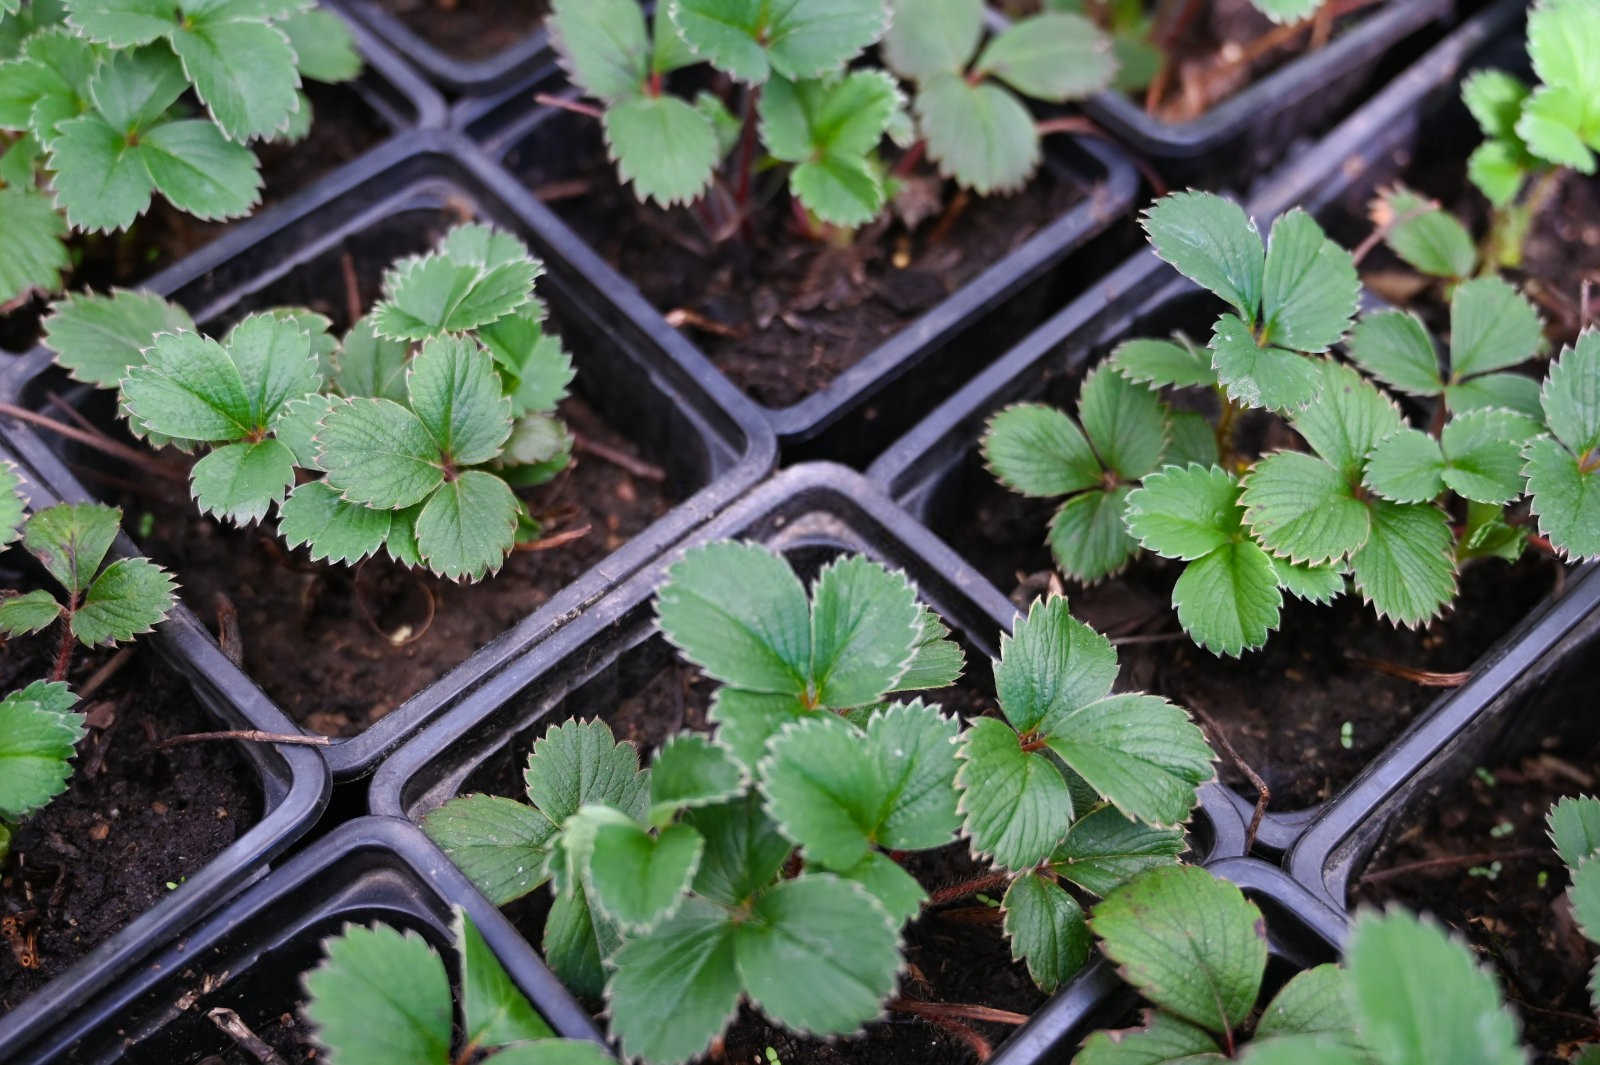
x: 762, y: 863
x: 1541, y: 132
x: 1575, y: 831
x: 1196, y: 949
x: 91, y: 123
x: 383, y: 996
x: 420, y: 421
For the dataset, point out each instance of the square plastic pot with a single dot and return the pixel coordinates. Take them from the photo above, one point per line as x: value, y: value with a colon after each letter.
x: 451, y: 73
x: 249, y: 955
x: 292, y: 783
x: 711, y: 442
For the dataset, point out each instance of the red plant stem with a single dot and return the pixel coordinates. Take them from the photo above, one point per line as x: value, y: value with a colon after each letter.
x: 64, y: 649
x: 908, y: 162
x: 1084, y: 127
x: 956, y: 892
x: 98, y: 441
x: 747, y: 157
x: 577, y: 107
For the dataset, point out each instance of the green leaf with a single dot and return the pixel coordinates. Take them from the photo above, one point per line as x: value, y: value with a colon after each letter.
x: 128, y: 598
x: 28, y: 613
x: 750, y: 39
x: 1495, y: 99
x: 101, y: 181
x: 47, y: 81
x: 738, y: 611
x: 1552, y: 126
x: 333, y: 530
x: 324, y: 50
x: 819, y: 955
x: 1487, y: 534
x: 690, y: 771
x: 276, y: 362
x: 1484, y: 448
x: 928, y: 37
x: 133, y: 89
x: 379, y: 997
x: 603, y: 45
x: 370, y: 365
x: 71, y: 540
x: 1315, y: 1002
x: 1164, y: 1040
x: 744, y: 850
x: 1185, y: 513
x: 97, y: 338
x: 1419, y: 996
x: 122, y: 23
x: 1350, y: 419
x: 37, y: 743
x: 979, y: 135
x: 189, y: 388
x: 198, y: 171
x: 1140, y: 752
x: 1566, y: 498
x: 674, y: 988
x: 1194, y: 442
x: 240, y: 482
x: 1512, y: 391
x: 1303, y: 1050
x: 243, y: 71
x: 1570, y: 398
x: 1206, y: 972
x: 638, y: 879
x: 1228, y: 601
x: 378, y: 453
x: 1498, y: 168
x: 1257, y: 376
x: 828, y: 128
x: 1038, y: 451
x: 1427, y: 237
x: 1492, y: 326
x: 455, y: 393
x: 1164, y: 363
x: 937, y: 661
x: 534, y: 370
x: 1575, y: 829
x: 1014, y: 803
x: 579, y: 763
x: 865, y: 624
x: 1299, y: 507
x: 663, y: 146
x: 33, y: 255
x: 1051, y: 664
x: 1126, y: 423
x: 915, y: 749
x: 1054, y: 56
x: 891, y: 885
x: 1286, y: 10
x: 500, y: 844
x: 1408, y: 467
x: 1106, y: 849
x: 576, y: 945
x: 1564, y: 44
x: 1406, y: 569
x: 1394, y: 347
x: 1087, y: 536
x: 1584, y: 895
x: 746, y: 720
x: 1047, y: 929
x: 1212, y: 242
x: 13, y: 505
x: 495, y: 1012
x: 1310, y: 288
x: 478, y: 276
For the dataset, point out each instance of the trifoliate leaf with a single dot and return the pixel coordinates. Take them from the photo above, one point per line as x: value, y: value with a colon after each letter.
x: 468, y: 526
x: 1426, y: 236
x: 663, y: 146
x: 739, y: 612
x: 1299, y: 507
x: 477, y: 277
x: 71, y: 540
x: 673, y: 988
x: 1212, y: 242
x: 28, y: 613
x: 829, y: 128
x: 638, y: 879
x: 128, y: 598
x: 1140, y: 752
x: 1014, y: 803
x: 1406, y: 569
x: 500, y: 844
x: 1126, y: 423
x: 1309, y: 289
x: 324, y: 50
x: 495, y: 1012
x: 1575, y: 829
x: 37, y: 743
x: 33, y: 255
x: 1492, y: 326
x: 579, y: 763
x: 749, y: 39
x: 1408, y: 467
x: 331, y: 529
x: 1164, y: 1040
x: 1208, y: 973
x: 101, y: 181
x: 1185, y: 513
x: 603, y: 45
x: 379, y: 996
x: 928, y: 37
x: 865, y: 624
x: 1047, y: 929
x: 1055, y: 56
x: 1051, y: 664
x: 1228, y: 600
x: 240, y: 482
x: 1087, y: 536
x: 1315, y: 1002
x: 980, y: 135
x: 1419, y: 996
x: 1257, y: 376
x: 1037, y: 450
x: 378, y: 453
x: 1105, y: 849
x: 97, y: 338
x: 1164, y: 363
x: 1394, y: 347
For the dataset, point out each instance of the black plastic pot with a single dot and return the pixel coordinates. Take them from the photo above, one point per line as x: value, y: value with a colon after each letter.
x: 881, y: 396
x: 452, y: 74
x: 932, y: 470
x: 711, y: 442
x: 811, y: 513
x: 249, y: 956
x: 293, y: 784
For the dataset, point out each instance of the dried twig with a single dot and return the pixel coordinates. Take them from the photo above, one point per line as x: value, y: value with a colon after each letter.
x: 352, y: 287
x: 575, y: 106
x: 97, y: 440
x: 98, y: 678
x: 1263, y: 793
x: 554, y: 540
x: 249, y: 735
x: 1455, y: 861
x: 637, y: 467
x: 1426, y: 678
x: 233, y: 1026
x: 228, y: 636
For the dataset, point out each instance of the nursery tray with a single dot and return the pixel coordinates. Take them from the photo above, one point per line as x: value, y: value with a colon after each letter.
x: 249, y: 956
x: 453, y: 74
x: 712, y: 444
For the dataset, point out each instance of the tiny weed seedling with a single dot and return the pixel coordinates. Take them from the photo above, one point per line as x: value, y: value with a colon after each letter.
x: 93, y: 123
x: 760, y: 864
x: 383, y: 996
x: 420, y: 421
x: 1196, y: 949
x: 1393, y: 508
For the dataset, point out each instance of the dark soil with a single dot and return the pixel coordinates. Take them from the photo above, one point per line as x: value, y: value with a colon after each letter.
x: 470, y: 29
x: 1513, y: 912
x: 344, y: 127
x: 788, y: 314
x: 133, y: 821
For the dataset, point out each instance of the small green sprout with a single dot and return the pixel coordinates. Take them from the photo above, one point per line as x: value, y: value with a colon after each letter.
x: 1347, y: 735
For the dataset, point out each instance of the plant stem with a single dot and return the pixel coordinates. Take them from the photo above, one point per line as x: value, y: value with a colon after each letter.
x: 1455, y: 861
x: 956, y: 892
x: 1085, y: 127
x: 965, y: 1011
x: 1263, y: 793
x: 1426, y: 678
x: 637, y: 467
x: 1227, y: 422
x: 747, y: 157
x: 577, y: 107
x: 975, y: 1042
x: 908, y: 162
x: 64, y: 648
x: 97, y: 440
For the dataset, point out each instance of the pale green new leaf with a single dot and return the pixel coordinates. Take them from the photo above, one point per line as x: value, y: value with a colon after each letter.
x: 1498, y: 168
x: 1055, y: 56
x: 1106, y: 849
x: 37, y: 741
x: 1426, y: 236
x: 97, y: 338
x: 1212, y: 242
x: 500, y: 844
x: 663, y: 146
x: 1495, y: 99
x: 1046, y: 927
x: 478, y: 276
x: 980, y: 135
x: 1286, y: 10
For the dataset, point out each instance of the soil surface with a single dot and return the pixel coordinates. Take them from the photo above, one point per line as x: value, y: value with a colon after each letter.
x: 343, y: 128
x: 470, y: 29
x: 133, y: 822
x: 782, y: 314
x: 1514, y: 912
